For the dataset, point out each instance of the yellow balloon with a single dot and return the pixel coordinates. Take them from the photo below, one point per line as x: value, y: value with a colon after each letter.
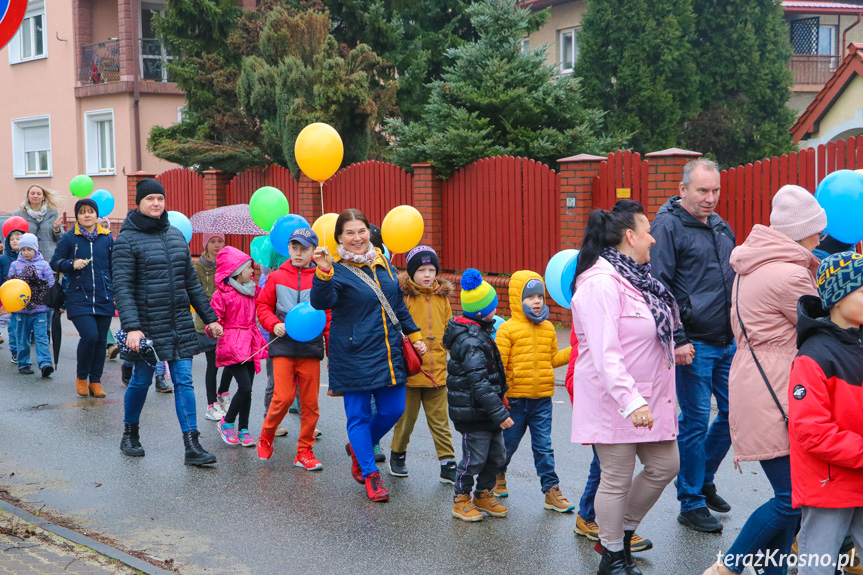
x: 15, y: 295
x: 319, y: 151
x: 402, y: 229
x: 325, y: 228
x: 860, y: 171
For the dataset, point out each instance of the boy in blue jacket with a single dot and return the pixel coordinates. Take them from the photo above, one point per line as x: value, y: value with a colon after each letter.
x: 32, y: 268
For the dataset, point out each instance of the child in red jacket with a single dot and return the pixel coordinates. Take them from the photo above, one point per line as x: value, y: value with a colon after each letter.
x: 825, y: 405
x: 296, y: 365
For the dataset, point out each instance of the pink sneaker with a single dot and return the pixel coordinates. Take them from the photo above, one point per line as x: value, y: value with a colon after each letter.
x: 246, y: 438
x: 228, y: 432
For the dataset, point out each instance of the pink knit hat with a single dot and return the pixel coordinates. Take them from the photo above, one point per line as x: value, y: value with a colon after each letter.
x: 796, y: 213
x: 208, y: 237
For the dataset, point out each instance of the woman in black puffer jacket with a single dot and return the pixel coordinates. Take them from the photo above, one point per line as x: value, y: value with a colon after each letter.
x: 154, y: 285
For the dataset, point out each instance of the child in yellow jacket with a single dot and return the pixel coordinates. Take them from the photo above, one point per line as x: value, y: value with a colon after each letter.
x: 528, y: 347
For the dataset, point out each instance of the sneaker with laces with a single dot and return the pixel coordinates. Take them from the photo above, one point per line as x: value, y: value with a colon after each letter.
x: 307, y: 460
x: 245, y: 438
x: 356, y: 470
x: 228, y: 432
x: 701, y: 520
x: 375, y: 488
x: 14, y: 359
x: 265, y: 445
x: 214, y: 412
x: 500, y: 489
x: 464, y: 509
x: 587, y: 529
x: 379, y: 454
x: 224, y: 400
x: 486, y: 501
x: 555, y: 500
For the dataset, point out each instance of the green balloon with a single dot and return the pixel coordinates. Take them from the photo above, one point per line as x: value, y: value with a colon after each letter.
x: 81, y: 186
x: 267, y: 205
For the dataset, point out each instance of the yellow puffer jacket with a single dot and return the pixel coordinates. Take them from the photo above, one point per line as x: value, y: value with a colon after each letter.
x: 430, y: 309
x: 529, y: 351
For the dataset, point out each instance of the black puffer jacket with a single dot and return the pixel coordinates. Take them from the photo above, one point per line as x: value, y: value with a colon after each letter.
x: 476, y: 379
x: 692, y: 259
x: 155, y: 283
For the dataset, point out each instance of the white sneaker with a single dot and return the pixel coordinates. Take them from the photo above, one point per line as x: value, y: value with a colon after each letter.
x: 224, y: 401
x: 214, y: 412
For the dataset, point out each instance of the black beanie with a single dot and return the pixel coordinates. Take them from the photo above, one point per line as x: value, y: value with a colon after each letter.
x: 420, y: 256
x: 147, y: 187
x: 375, y: 237
x: 85, y: 202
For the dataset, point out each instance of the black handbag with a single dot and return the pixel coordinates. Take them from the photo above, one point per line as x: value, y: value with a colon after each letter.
x: 55, y: 297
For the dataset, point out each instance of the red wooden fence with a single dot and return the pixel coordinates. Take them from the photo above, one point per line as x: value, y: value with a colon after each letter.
x: 501, y: 215
x: 186, y: 195
x: 243, y: 185
x: 624, y: 171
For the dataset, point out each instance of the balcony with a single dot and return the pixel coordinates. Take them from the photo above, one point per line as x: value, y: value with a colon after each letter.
x: 812, y: 69
x: 100, y: 63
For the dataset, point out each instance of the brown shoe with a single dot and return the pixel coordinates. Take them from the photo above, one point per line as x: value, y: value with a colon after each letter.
x: 281, y: 431
x: 555, y: 501
x: 464, y: 509
x: 486, y: 501
x: 500, y: 489
x: 96, y: 390
x: 112, y: 352
x: 587, y: 529
x: 81, y: 387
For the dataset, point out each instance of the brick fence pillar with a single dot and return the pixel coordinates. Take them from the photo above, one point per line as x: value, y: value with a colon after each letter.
x: 663, y: 176
x: 309, y: 202
x: 428, y: 199
x: 132, y: 186
x: 576, y: 196
x: 216, y: 188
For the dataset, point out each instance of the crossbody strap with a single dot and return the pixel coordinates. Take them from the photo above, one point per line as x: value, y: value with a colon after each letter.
x: 378, y: 292
x: 754, y: 357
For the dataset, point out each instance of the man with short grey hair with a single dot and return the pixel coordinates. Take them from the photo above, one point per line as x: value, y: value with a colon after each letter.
x: 691, y: 257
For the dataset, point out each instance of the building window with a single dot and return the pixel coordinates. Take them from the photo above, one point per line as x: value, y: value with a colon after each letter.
x: 99, y: 141
x: 568, y: 42
x: 525, y: 44
x: 31, y: 147
x: 827, y: 40
x: 181, y: 114
x: 29, y: 42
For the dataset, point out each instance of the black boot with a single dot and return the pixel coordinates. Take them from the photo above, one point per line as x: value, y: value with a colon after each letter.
x: 195, y: 454
x: 126, y: 373
x: 162, y: 385
x: 613, y: 563
x: 397, y: 464
x: 627, y: 553
x: 131, y: 443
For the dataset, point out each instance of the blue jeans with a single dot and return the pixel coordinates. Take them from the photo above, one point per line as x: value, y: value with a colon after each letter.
x: 13, y: 335
x: 184, y: 392
x: 37, y: 324
x: 536, y: 415
x: 364, y: 429
x: 772, y: 526
x: 586, y: 510
x: 702, y: 445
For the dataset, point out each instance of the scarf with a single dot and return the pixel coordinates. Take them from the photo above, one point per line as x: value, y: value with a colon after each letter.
x: 205, y: 261
x: 147, y: 224
x: 247, y: 289
x: 37, y: 215
x: 89, y: 235
x: 662, y: 304
x: 536, y: 318
x: 367, y: 258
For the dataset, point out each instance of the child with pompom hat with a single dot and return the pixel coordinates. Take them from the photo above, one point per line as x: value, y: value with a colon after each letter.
x: 476, y: 384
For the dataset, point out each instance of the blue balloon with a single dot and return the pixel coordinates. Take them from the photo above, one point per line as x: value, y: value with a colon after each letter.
x: 559, y: 274
x: 104, y: 202
x: 282, y: 231
x: 305, y: 323
x: 498, y: 321
x: 182, y: 223
x: 841, y: 196
x: 387, y: 254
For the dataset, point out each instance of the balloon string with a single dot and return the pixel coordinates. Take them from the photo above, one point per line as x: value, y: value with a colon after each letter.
x: 272, y: 339
x: 322, y: 198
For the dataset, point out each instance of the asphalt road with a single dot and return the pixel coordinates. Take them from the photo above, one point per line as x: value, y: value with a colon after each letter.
x: 246, y: 516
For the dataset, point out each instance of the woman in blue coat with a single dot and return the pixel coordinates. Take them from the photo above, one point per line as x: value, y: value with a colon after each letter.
x: 84, y: 255
x: 365, y: 348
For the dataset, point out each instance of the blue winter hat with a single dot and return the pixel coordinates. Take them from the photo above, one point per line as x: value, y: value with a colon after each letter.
x: 838, y: 276
x: 478, y: 298
x: 304, y: 236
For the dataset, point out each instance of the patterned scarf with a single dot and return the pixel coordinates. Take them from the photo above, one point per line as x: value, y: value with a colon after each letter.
x: 367, y: 258
x: 89, y: 235
x: 662, y: 304
x: 37, y: 215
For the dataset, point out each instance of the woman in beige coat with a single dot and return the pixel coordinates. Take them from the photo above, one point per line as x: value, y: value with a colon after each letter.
x: 775, y: 266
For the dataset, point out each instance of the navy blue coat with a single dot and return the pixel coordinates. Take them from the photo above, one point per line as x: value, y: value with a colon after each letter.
x: 365, y: 349
x: 89, y: 291
x: 9, y: 256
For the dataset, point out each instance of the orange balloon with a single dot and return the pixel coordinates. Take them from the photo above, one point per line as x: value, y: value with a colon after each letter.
x: 402, y: 229
x: 15, y: 295
x: 319, y: 151
x: 325, y: 228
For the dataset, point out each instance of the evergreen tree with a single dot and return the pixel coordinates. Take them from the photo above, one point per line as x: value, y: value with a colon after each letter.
x: 495, y: 98
x: 743, y: 51
x: 636, y: 62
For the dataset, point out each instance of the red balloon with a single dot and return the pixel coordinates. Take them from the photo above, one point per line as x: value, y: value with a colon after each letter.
x: 15, y: 223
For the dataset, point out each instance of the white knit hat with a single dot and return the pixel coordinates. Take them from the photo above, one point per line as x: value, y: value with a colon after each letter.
x: 796, y: 213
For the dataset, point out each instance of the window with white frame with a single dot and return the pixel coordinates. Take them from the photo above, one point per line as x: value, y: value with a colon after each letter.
x: 30, y: 41
x: 31, y: 147
x: 181, y: 114
x: 567, y: 40
x: 99, y: 142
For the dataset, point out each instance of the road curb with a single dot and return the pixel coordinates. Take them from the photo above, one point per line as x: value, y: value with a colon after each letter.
x: 75, y: 537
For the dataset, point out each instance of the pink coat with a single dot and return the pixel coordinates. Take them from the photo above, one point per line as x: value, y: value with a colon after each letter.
x: 774, y: 272
x: 621, y: 365
x: 237, y: 315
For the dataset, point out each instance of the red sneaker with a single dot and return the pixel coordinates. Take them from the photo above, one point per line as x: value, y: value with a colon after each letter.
x: 375, y: 487
x: 307, y: 460
x: 356, y: 470
x: 265, y: 445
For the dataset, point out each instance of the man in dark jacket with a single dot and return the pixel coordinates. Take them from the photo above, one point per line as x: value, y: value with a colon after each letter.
x: 691, y: 257
x: 154, y: 285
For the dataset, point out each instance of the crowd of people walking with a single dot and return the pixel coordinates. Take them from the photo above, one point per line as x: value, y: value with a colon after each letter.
x: 666, y: 313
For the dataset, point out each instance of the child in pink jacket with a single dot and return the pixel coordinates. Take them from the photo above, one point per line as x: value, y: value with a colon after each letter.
x: 242, y: 347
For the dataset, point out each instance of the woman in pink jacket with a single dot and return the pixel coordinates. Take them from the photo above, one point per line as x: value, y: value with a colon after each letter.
x: 775, y: 266
x: 242, y: 347
x: 623, y: 379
